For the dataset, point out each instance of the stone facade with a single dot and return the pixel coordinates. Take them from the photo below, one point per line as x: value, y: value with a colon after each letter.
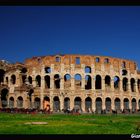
x: 89, y: 83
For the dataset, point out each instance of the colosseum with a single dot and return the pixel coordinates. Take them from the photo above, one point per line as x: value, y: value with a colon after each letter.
x: 58, y: 82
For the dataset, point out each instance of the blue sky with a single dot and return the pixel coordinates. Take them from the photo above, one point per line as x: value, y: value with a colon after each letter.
x: 27, y: 31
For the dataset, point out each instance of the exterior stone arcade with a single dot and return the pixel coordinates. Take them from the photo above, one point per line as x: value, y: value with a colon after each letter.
x: 90, y: 83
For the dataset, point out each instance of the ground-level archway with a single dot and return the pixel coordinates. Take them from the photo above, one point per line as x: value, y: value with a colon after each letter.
x: 37, y: 103
x: 67, y: 103
x: 98, y: 105
x: 4, y: 95
x: 88, y: 104
x: 56, y: 104
x: 11, y: 102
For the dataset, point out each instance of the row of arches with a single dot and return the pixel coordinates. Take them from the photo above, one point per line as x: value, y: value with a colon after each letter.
x: 78, y: 82
x: 88, y: 103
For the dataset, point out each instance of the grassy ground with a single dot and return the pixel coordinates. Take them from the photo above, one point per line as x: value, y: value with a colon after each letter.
x: 69, y: 124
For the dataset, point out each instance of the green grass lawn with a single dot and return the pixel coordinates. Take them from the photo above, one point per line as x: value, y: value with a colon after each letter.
x: 69, y: 124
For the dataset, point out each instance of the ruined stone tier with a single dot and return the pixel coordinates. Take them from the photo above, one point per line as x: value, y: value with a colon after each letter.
x: 66, y: 81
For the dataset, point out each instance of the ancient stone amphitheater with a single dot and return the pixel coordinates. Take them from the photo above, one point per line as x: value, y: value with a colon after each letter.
x: 89, y: 83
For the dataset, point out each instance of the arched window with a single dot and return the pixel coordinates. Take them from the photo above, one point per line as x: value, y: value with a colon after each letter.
x: 98, y: 83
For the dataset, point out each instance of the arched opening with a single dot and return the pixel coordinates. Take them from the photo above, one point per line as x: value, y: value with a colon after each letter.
x: 4, y: 94
x: 38, y: 81
x: 133, y: 105
x: 87, y: 82
x: 78, y: 81
x: 67, y: 81
x: 2, y: 73
x: 47, y: 70
x: 66, y: 103
x: 123, y: 64
x: 124, y: 72
x: 56, y: 104
x: 108, y: 104
x: 98, y: 83
x: 87, y: 69
x: 46, y: 103
x: 19, y: 102
x: 126, y: 104
x: 30, y: 80
x: 37, y: 103
x: 13, y: 79
x: 88, y: 104
x: 11, y: 102
x: 7, y: 80
x: 117, y: 104
x: 98, y: 105
x: 106, y: 60
x: 97, y: 59
x: 77, y: 103
x: 57, y: 81
x: 139, y: 104
x: 107, y: 82
x: 125, y: 84
x: 47, y: 81
x: 23, y: 79
x: 23, y: 70
x: 116, y: 82
x: 138, y: 83
x: 132, y: 81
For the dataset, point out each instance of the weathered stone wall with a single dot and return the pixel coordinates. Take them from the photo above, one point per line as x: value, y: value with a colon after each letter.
x: 104, y: 83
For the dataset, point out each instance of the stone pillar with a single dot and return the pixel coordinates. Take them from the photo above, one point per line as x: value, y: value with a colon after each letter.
x: 112, y: 85
x: 122, y: 104
x: 93, y: 105
x: 72, y: 82
x: 83, y: 83
x: 62, y: 83
x: 61, y: 102
x: 51, y: 101
x: 71, y: 103
x: 103, y: 84
x: 51, y: 81
x: 121, y: 85
x: 136, y: 86
x: 41, y: 101
x: 112, y: 104
x: 130, y: 104
x: 83, y: 105
x: 103, y: 104
x: 33, y: 81
x: 93, y: 84
x: 137, y: 104
x: 42, y: 83
x: 129, y: 86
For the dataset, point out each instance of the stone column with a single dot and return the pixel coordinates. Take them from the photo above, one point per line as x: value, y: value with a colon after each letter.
x: 103, y: 84
x: 62, y: 83
x: 72, y: 82
x: 52, y: 81
x: 41, y: 101
x: 71, y: 103
x: 83, y: 105
x: 122, y: 104
x: 112, y: 104
x: 93, y: 105
x: 112, y: 85
x: 103, y: 104
x: 61, y: 102
x: 51, y: 101
x: 83, y: 83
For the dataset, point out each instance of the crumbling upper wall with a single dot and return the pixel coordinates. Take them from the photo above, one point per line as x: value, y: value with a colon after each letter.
x: 87, y: 60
